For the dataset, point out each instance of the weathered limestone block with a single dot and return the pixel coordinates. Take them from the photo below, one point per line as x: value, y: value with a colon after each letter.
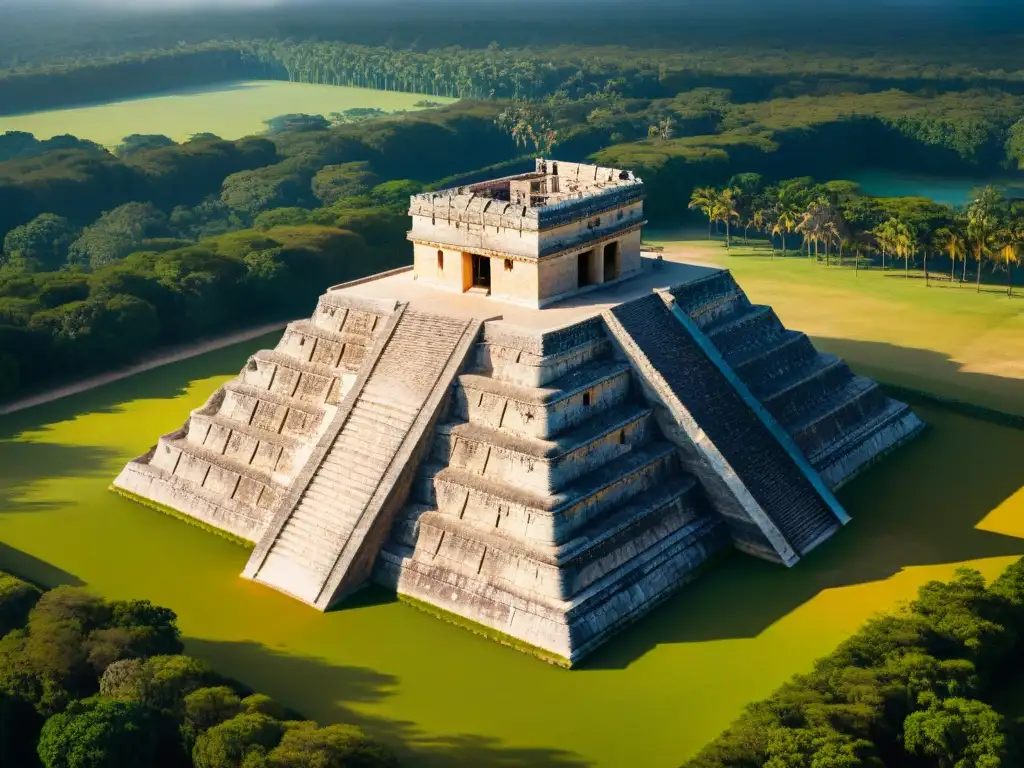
x: 544, y: 466
x: 550, y: 517
x: 543, y: 412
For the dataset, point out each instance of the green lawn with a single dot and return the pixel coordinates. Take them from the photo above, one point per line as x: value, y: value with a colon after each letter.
x: 230, y: 110
x: 945, y: 340
x: 651, y: 697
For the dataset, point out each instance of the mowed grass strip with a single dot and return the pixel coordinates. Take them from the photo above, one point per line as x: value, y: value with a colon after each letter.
x: 229, y: 110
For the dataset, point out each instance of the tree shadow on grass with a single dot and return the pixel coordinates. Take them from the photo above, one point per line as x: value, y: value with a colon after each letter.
x: 39, y: 572
x: 160, y: 383
x: 329, y: 693
x: 23, y: 464
x: 921, y: 506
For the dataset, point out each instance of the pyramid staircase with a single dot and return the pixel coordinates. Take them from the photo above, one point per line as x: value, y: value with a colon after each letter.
x: 327, y: 529
x: 235, y: 457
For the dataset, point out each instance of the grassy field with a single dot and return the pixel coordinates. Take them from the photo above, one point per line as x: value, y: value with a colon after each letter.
x: 945, y: 340
x: 230, y: 110
x: 651, y: 697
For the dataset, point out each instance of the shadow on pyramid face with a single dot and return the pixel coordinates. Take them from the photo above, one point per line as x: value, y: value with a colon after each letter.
x: 921, y: 506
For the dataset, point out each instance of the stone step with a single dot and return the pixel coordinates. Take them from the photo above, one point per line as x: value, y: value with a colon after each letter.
x: 543, y: 412
x: 710, y: 297
x: 503, y: 360
x: 358, y: 450
x: 841, y: 412
x: 220, y: 420
x: 555, y: 572
x: 807, y: 388
x: 844, y: 458
x: 545, y: 465
x: 774, y: 361
x: 752, y: 329
x: 552, y: 518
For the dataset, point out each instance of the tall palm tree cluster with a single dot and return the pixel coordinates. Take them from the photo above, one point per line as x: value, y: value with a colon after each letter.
x: 484, y: 73
x: 835, y: 218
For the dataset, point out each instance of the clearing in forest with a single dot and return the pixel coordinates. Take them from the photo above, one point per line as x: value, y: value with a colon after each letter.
x: 229, y: 110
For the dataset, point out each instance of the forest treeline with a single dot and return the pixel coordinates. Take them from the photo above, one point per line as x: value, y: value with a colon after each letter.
x: 915, y: 688
x: 750, y: 74
x: 91, y: 683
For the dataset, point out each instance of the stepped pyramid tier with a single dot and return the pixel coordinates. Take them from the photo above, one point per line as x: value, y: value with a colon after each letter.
x: 236, y: 455
x: 534, y: 429
x: 840, y: 421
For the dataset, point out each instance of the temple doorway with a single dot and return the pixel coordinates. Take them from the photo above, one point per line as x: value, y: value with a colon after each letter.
x: 611, y: 261
x: 481, y: 271
x: 585, y: 269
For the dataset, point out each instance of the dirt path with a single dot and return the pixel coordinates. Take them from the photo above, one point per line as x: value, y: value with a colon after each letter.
x: 169, y: 355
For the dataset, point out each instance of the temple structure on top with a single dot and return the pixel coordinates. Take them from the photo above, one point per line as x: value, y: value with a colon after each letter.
x: 531, y: 239
x: 534, y: 427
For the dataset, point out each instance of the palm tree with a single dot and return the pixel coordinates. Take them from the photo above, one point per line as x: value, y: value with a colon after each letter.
x: 945, y: 240
x: 982, y: 223
x: 886, y: 235
x: 761, y: 221
x: 906, y: 242
x: 1012, y: 238
x: 724, y: 210
x: 787, y: 213
x: 950, y: 241
x: 704, y: 199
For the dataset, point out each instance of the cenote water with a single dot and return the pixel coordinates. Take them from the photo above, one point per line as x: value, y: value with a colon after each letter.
x: 951, y: 191
x: 651, y: 697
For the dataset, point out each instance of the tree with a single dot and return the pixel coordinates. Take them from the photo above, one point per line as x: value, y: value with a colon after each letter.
x: 227, y: 744
x: 117, y: 233
x: 98, y: 733
x: 138, y: 142
x: 17, y: 598
x: 819, y: 747
x: 39, y: 246
x: 982, y: 225
x: 1011, y: 238
x: 887, y: 236
x: 334, y: 182
x: 704, y: 199
x: 1015, y: 143
x: 204, y: 708
x: 528, y: 124
x: 336, y: 746
x: 787, y: 211
x: 297, y: 123
x: 746, y: 187
x: 956, y: 733
x: 950, y: 241
x: 724, y: 210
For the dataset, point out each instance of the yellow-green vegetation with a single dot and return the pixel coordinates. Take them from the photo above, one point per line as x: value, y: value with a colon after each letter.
x: 230, y: 110
x: 944, y: 340
x: 652, y: 697
x: 188, y: 519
